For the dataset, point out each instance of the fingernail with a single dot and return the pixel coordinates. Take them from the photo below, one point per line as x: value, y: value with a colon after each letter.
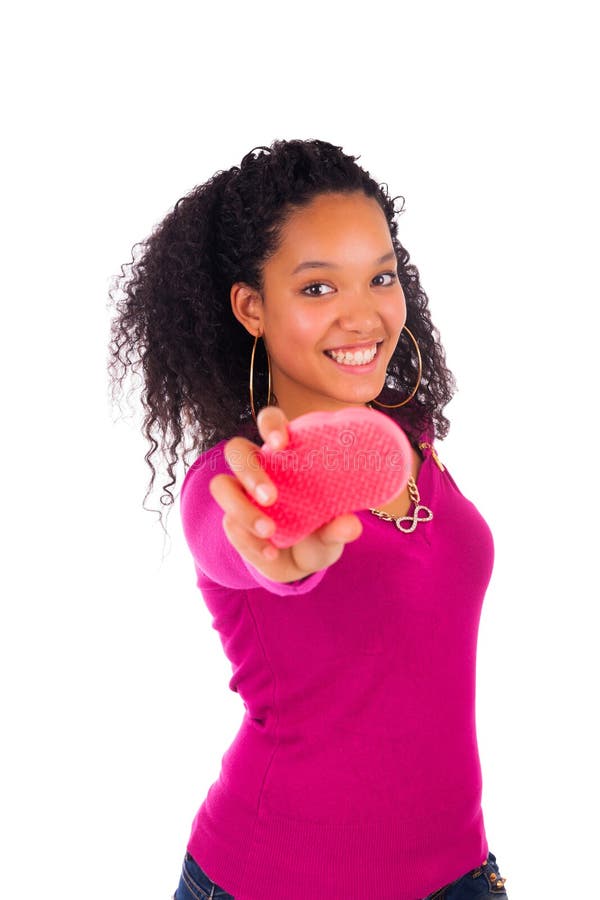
x: 263, y: 493
x: 275, y: 439
x: 262, y: 526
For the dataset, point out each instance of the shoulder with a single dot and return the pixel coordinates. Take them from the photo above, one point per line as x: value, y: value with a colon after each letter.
x: 210, y: 462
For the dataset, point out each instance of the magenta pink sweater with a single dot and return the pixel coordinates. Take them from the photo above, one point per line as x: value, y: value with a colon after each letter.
x: 355, y: 770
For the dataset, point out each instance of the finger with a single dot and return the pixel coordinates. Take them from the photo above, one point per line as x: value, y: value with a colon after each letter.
x: 272, y: 426
x: 228, y: 492
x: 326, y: 544
x: 344, y: 528
x: 243, y: 459
x: 251, y: 547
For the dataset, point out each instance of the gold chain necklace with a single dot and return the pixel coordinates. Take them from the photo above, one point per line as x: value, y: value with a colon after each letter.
x: 415, y: 519
x: 415, y: 497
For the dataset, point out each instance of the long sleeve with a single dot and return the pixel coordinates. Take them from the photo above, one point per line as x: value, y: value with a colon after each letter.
x: 214, y: 556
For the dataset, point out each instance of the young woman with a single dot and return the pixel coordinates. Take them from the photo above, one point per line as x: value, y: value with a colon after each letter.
x: 355, y: 771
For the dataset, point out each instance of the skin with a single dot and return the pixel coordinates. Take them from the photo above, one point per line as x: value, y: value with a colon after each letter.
x: 353, y: 299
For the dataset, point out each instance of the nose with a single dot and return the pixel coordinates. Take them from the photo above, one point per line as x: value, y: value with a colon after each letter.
x: 359, y: 313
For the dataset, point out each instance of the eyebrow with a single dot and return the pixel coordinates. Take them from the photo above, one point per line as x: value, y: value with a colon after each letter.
x: 319, y: 264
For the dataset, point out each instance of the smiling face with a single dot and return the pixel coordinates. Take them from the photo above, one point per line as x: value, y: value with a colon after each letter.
x: 332, y: 284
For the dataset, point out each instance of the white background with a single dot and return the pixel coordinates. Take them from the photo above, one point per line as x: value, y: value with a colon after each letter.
x: 115, y: 705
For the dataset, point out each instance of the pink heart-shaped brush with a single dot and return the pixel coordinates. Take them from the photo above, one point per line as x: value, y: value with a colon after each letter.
x: 334, y: 463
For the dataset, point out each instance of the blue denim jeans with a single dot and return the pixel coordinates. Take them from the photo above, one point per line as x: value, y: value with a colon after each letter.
x: 195, y: 884
x: 483, y: 881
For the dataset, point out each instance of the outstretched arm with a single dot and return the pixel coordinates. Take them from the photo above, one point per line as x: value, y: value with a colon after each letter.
x: 220, y: 523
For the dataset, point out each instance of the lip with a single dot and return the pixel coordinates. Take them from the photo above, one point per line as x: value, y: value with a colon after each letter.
x: 353, y: 347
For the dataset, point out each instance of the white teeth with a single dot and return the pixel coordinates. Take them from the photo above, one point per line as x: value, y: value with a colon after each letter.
x: 354, y: 359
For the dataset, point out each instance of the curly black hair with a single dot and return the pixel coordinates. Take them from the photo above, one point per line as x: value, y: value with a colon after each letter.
x: 175, y: 327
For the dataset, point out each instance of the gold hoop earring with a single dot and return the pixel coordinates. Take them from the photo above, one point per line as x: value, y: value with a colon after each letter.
x: 256, y: 337
x: 414, y: 391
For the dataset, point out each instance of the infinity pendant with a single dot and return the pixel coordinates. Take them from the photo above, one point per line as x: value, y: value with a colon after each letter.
x: 414, y: 519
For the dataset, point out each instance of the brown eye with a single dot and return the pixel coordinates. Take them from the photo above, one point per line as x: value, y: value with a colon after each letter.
x: 391, y: 275
x: 315, y: 284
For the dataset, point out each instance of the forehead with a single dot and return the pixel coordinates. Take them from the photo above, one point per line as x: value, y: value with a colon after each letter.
x: 336, y: 221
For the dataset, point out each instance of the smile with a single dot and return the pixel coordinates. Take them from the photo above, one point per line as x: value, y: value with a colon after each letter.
x: 358, y: 363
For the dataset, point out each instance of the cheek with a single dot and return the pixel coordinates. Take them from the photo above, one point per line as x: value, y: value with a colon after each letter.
x: 303, y: 327
x: 394, y: 311
x: 293, y: 339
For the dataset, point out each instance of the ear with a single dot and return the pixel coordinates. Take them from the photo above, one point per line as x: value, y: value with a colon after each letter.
x: 247, y: 307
